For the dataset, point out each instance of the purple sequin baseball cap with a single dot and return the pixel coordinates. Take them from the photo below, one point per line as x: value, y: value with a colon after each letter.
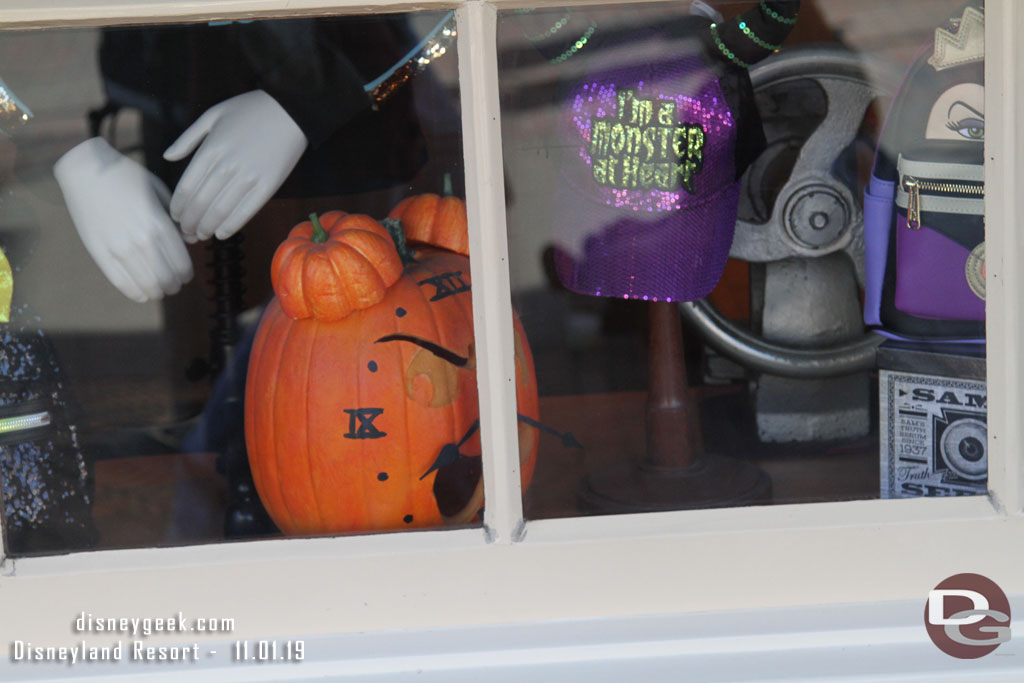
x: 647, y: 190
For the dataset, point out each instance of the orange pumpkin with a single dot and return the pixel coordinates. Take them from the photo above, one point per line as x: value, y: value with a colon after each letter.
x: 333, y: 265
x: 370, y: 422
x: 436, y: 220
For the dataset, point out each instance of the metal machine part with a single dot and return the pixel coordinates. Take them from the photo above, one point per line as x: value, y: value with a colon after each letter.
x: 812, y: 301
x: 801, y: 222
x: 801, y: 197
x: 754, y: 352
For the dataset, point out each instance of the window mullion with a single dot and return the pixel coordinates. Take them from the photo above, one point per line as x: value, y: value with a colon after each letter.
x: 1003, y: 201
x: 492, y: 307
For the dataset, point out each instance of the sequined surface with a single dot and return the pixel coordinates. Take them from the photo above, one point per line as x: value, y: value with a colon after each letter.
x: 45, y: 480
x: 13, y: 112
x: 645, y: 205
x: 434, y: 49
x: 698, y: 103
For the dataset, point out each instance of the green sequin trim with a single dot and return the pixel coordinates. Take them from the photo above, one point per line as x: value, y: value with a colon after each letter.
x: 726, y: 51
x: 757, y: 41
x: 577, y: 46
x: 775, y: 15
x: 555, y: 28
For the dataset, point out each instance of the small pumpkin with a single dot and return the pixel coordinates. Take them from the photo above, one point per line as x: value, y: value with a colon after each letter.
x: 370, y: 422
x: 332, y: 265
x: 438, y: 220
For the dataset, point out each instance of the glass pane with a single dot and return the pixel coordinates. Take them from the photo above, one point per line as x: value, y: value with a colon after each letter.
x: 149, y: 176
x: 720, y: 153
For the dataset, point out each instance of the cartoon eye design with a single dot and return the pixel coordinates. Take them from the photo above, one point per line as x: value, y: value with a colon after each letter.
x: 958, y: 114
x: 970, y: 128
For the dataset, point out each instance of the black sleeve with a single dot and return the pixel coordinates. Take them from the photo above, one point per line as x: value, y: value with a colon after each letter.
x: 306, y: 72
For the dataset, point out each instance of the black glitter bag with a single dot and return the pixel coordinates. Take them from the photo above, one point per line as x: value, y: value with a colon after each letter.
x: 45, y: 480
x: 46, y: 484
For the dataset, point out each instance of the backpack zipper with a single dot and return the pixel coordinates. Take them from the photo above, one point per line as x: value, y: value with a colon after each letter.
x: 914, y: 187
x: 20, y: 423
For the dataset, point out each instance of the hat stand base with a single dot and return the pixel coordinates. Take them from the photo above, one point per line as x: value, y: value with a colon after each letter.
x: 674, y: 473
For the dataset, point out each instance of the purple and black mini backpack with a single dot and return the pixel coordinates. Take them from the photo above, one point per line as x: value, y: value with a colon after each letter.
x: 924, y: 222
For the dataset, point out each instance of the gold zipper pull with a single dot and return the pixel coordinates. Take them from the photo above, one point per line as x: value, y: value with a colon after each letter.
x: 913, y: 189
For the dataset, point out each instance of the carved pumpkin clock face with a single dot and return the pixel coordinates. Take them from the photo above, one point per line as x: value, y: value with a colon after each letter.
x: 370, y: 422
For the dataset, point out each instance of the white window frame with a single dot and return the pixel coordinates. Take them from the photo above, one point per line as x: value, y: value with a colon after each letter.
x: 595, y: 567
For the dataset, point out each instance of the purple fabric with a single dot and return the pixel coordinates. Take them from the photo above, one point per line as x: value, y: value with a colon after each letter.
x: 897, y: 337
x: 878, y: 207
x: 634, y: 235
x: 654, y: 258
x: 930, y: 276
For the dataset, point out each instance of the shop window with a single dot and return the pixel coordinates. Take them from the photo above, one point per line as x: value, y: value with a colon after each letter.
x: 698, y: 296
x: 150, y: 174
x: 134, y: 378
x: 704, y: 287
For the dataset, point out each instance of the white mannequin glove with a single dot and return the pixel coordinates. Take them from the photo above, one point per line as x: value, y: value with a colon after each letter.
x: 119, y: 210
x: 247, y: 147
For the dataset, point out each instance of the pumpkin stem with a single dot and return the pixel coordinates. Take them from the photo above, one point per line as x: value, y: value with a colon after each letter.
x: 394, y: 227
x: 447, y: 191
x: 319, y: 234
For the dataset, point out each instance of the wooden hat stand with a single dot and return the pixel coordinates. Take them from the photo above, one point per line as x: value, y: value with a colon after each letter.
x: 673, y: 473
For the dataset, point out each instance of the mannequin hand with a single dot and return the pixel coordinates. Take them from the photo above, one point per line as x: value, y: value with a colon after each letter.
x: 247, y: 147
x: 119, y: 210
